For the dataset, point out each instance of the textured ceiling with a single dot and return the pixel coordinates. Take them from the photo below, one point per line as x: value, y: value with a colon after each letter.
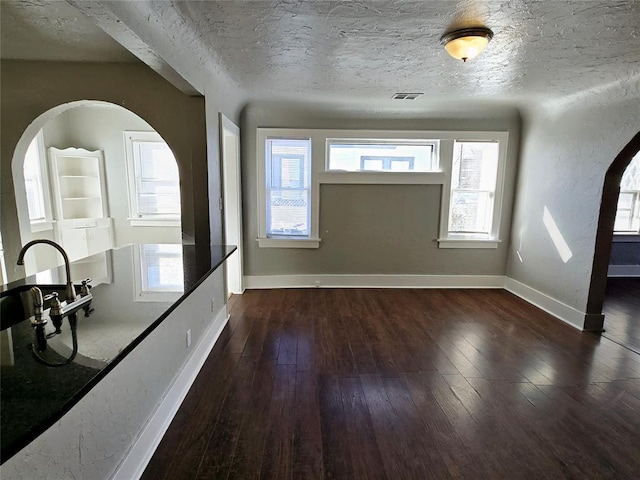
x: 54, y: 30
x: 367, y: 50
x: 359, y: 52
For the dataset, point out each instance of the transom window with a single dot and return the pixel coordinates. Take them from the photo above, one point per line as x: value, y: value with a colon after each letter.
x: 381, y: 156
x: 628, y: 212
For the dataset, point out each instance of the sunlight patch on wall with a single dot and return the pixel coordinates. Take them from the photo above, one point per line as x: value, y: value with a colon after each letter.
x: 556, y: 237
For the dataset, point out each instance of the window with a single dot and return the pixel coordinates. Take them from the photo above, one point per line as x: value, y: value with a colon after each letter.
x: 154, y: 181
x: 472, y: 206
x: 288, y: 166
x: 292, y: 164
x: 628, y: 212
x: 473, y: 183
x: 36, y: 185
x: 381, y: 156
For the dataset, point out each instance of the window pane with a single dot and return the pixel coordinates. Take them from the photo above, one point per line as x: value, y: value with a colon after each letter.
x: 628, y: 207
x: 628, y: 212
x: 470, y: 212
x: 631, y: 176
x: 475, y: 165
x: 33, y: 182
x: 157, y: 180
x: 288, y: 212
x: 288, y: 186
x: 382, y: 156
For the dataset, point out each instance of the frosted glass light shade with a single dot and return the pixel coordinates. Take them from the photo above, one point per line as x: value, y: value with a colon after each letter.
x: 466, y: 43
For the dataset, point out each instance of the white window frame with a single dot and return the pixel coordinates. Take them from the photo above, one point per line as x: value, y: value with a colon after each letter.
x: 130, y: 137
x: 320, y: 174
x: 265, y: 241
x: 47, y: 223
x: 390, y: 140
x: 472, y: 240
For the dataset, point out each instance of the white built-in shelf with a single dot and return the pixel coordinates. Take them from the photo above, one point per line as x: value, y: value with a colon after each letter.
x: 78, y: 182
x: 82, y: 226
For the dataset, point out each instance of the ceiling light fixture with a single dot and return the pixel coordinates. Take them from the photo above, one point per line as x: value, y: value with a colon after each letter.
x: 467, y: 42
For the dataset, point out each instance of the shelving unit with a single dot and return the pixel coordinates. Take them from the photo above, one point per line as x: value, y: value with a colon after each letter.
x: 82, y: 226
x: 78, y: 181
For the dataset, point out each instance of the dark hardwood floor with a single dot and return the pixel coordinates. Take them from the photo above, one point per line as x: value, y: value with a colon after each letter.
x: 622, y: 312
x: 404, y: 384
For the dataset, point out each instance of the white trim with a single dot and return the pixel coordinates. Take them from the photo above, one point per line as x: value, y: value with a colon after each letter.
x: 230, y: 155
x: 626, y: 237
x: 288, y: 242
x: 383, y: 178
x: 41, y: 226
x: 566, y: 313
x: 136, y: 460
x: 624, y: 271
x: 373, y: 281
x: 154, y: 222
x: 468, y: 242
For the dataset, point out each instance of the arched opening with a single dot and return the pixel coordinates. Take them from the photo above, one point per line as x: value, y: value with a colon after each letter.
x: 604, y: 236
x: 133, y: 193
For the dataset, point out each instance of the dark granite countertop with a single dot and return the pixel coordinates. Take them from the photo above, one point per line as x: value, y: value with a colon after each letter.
x: 134, y: 289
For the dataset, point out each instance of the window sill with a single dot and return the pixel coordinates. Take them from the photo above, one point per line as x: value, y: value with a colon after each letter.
x: 291, y: 242
x: 41, y: 226
x: 154, y: 222
x: 382, y: 178
x: 468, y: 242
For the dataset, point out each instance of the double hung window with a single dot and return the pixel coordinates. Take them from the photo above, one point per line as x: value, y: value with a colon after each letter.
x: 473, y: 184
x: 288, y: 167
x: 154, y: 182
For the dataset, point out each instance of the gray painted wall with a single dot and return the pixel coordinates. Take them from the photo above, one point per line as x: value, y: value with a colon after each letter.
x: 566, y: 151
x: 374, y: 229
x: 34, y: 92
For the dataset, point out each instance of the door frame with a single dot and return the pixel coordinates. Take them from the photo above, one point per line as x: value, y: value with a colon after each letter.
x: 232, y: 203
x: 604, y: 236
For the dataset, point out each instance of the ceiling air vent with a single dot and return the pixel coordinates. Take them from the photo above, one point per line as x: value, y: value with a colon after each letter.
x: 406, y: 96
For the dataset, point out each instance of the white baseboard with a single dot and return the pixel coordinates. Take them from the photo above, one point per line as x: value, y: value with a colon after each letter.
x: 136, y: 460
x: 567, y: 314
x: 624, y: 271
x: 373, y: 281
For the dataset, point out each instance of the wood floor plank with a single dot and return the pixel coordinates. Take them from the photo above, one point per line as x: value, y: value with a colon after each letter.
x: 307, y: 432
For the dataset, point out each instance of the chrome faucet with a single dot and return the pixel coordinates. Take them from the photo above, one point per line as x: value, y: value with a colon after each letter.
x: 70, y: 291
x: 58, y: 310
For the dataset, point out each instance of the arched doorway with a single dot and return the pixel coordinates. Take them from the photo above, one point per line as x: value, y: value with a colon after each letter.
x: 92, y: 126
x: 604, y: 235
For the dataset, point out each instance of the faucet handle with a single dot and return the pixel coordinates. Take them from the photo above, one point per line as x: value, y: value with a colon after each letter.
x: 52, y: 295
x: 84, y: 289
x: 36, y: 295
